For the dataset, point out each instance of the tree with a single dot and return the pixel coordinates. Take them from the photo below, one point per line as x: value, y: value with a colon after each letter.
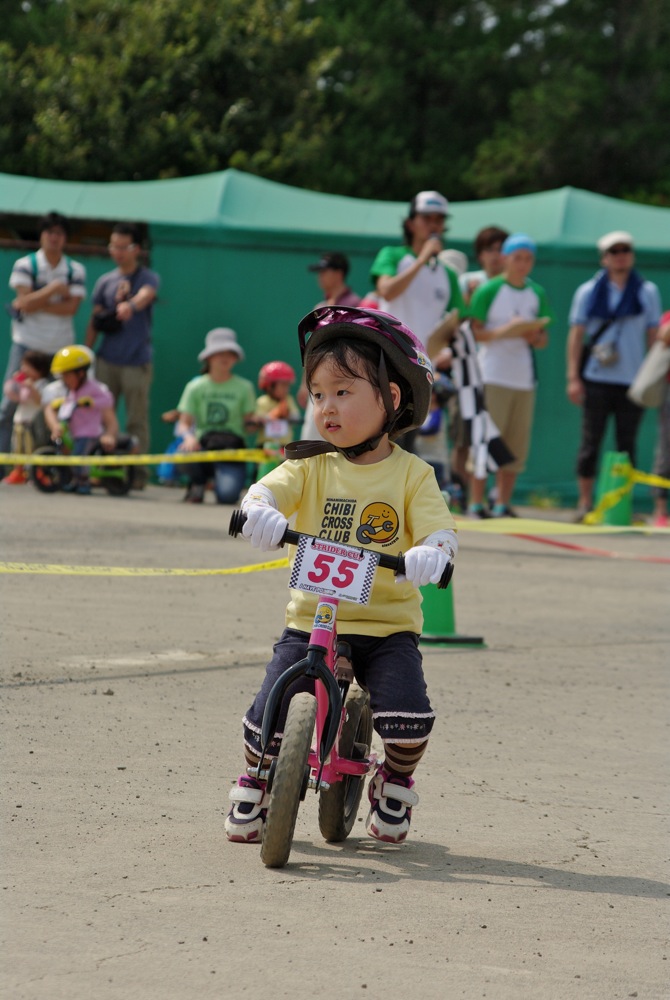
x: 595, y: 116
x: 480, y: 98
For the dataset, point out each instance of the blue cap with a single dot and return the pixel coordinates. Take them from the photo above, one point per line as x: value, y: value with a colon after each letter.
x: 519, y: 241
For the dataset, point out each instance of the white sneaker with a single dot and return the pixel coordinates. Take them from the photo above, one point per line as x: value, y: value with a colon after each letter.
x: 391, y: 800
x: 246, y: 819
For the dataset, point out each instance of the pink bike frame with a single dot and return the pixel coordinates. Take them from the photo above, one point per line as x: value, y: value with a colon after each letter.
x: 335, y: 767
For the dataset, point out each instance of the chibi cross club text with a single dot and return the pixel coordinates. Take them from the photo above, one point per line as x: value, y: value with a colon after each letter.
x: 377, y: 523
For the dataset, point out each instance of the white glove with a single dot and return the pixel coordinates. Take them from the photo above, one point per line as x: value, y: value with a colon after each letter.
x: 424, y: 564
x: 264, y: 526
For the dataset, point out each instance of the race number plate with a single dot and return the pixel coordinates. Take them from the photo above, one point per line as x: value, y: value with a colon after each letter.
x: 334, y: 570
x: 275, y: 430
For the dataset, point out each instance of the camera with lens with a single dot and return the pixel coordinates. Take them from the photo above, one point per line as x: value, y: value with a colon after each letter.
x: 606, y: 354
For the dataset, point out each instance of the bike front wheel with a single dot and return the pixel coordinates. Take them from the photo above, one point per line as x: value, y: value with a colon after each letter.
x: 117, y: 479
x: 338, y: 805
x: 289, y: 781
x: 49, y: 478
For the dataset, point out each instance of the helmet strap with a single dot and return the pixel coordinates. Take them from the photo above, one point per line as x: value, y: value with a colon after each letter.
x: 307, y: 449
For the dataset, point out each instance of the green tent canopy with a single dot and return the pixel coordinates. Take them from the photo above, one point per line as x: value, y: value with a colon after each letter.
x: 231, y: 200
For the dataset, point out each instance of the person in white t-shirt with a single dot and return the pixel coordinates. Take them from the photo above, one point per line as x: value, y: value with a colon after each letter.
x: 509, y: 315
x: 49, y: 287
x: 412, y: 282
x: 488, y: 251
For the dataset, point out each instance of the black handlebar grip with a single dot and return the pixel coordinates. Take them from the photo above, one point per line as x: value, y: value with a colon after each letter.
x: 445, y: 579
x: 238, y: 519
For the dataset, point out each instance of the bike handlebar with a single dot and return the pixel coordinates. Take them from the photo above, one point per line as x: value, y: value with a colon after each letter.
x: 395, y: 563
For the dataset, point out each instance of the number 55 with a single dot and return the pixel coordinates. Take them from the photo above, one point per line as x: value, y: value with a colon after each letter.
x: 322, y: 564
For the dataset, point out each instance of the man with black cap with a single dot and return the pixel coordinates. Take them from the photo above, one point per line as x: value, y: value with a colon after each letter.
x: 615, y: 315
x: 332, y: 270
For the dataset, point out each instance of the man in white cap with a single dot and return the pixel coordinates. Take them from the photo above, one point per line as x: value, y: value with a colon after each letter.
x: 613, y: 320
x: 213, y: 413
x: 412, y: 282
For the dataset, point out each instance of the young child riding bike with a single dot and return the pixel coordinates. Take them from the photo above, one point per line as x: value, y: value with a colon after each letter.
x: 88, y: 408
x: 370, y: 381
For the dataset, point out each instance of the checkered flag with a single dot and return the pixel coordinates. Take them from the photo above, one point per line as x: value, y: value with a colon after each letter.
x: 489, y: 451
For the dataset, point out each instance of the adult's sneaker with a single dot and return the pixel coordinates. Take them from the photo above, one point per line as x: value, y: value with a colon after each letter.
x: 245, y: 822
x: 502, y: 510
x: 391, y: 800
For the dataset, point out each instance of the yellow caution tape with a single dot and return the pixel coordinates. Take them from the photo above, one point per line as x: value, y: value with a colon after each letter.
x: 178, y: 458
x: 535, y: 526
x: 612, y: 497
x: 524, y: 527
x: 56, y: 569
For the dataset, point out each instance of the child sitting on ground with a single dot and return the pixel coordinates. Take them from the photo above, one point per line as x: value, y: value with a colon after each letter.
x: 88, y: 409
x: 370, y: 381
x: 25, y: 388
x: 213, y: 412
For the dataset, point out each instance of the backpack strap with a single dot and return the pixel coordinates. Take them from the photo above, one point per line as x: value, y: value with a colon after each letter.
x: 32, y: 257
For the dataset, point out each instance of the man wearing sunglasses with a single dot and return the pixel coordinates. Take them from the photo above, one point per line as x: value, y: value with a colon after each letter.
x: 613, y: 321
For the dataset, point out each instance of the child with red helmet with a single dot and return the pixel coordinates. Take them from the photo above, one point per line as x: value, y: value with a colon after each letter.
x: 276, y: 409
x: 370, y: 381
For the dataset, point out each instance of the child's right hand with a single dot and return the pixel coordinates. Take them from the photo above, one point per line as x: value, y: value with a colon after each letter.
x: 264, y: 527
x: 424, y: 564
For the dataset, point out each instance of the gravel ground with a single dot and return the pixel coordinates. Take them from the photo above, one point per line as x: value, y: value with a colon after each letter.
x: 534, y: 865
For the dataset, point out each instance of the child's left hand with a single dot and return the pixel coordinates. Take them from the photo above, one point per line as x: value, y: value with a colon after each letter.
x: 108, y: 442
x: 424, y: 564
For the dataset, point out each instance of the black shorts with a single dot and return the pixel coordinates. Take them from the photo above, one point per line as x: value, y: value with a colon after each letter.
x: 390, y: 667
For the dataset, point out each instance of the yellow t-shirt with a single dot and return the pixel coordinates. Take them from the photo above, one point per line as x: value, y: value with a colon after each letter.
x: 389, y: 507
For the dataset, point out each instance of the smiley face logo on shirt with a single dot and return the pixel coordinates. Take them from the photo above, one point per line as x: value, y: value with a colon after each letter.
x: 379, y: 524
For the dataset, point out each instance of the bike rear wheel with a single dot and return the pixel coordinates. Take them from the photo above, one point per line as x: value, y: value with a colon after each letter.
x: 289, y: 781
x: 49, y: 478
x: 338, y: 805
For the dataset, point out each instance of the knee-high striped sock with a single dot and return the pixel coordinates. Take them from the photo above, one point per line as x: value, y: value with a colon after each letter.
x: 402, y: 758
